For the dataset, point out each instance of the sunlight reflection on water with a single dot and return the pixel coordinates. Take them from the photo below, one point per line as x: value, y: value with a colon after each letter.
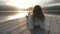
x: 10, y: 15
x: 19, y: 15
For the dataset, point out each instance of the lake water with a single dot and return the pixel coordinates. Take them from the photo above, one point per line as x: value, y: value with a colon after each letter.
x: 9, y: 15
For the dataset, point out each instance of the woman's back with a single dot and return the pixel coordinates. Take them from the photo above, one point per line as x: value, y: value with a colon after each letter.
x: 37, y: 22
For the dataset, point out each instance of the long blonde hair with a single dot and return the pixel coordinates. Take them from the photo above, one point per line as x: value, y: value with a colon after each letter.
x: 37, y: 13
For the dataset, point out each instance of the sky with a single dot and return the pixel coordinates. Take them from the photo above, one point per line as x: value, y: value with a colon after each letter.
x: 28, y: 3
x: 53, y: 3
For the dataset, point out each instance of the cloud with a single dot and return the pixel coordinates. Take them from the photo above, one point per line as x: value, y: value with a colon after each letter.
x: 54, y: 1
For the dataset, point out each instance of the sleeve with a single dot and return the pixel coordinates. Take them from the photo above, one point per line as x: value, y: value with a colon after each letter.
x: 29, y: 22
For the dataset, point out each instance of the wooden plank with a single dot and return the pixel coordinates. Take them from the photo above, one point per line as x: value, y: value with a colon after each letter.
x: 3, y: 24
x: 48, y: 18
x: 12, y: 26
x: 58, y: 20
x: 19, y: 30
x: 54, y: 29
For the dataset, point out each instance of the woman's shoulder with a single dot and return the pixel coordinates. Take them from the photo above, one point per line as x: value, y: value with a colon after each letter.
x: 29, y: 16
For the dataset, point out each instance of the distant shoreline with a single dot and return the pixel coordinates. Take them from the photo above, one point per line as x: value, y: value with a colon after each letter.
x: 54, y: 12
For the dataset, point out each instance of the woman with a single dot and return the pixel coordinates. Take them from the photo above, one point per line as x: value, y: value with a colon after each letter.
x: 37, y: 18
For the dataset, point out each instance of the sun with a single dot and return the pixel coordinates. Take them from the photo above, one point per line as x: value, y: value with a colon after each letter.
x: 19, y: 3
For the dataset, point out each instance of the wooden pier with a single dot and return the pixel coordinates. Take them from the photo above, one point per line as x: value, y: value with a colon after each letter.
x: 19, y: 26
